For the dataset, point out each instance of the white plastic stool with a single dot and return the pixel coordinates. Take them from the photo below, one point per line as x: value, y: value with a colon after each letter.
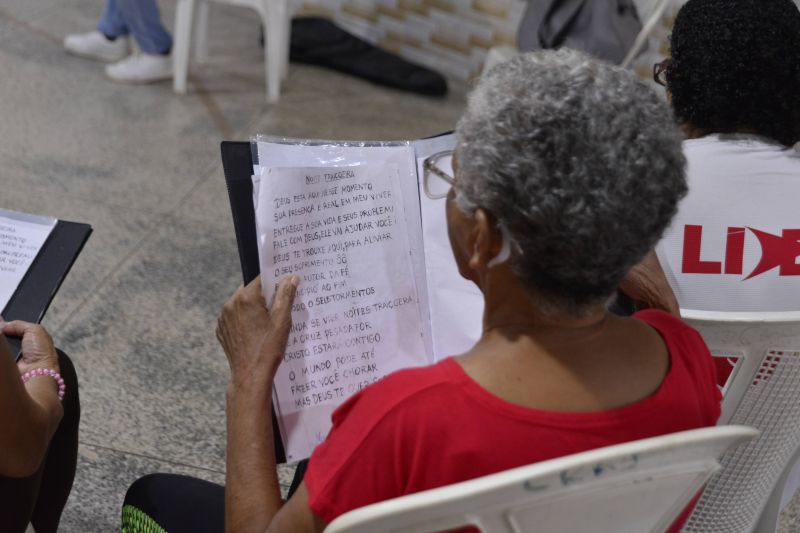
x: 275, y: 19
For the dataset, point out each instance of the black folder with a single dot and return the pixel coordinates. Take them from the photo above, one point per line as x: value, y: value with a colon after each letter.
x: 45, y: 275
x: 237, y: 162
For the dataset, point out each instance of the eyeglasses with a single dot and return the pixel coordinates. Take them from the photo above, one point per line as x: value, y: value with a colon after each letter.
x: 436, y: 182
x: 660, y: 72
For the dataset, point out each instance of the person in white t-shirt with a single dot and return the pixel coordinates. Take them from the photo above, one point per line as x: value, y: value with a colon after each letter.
x: 734, y: 84
x: 733, y: 80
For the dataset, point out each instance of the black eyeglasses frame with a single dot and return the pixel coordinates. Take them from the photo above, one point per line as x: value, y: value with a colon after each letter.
x: 660, y: 72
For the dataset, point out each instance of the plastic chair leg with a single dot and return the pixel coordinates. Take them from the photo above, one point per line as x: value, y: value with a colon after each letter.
x: 201, y: 33
x: 286, y: 40
x: 184, y: 16
x: 273, y: 13
x: 768, y: 521
x: 792, y: 487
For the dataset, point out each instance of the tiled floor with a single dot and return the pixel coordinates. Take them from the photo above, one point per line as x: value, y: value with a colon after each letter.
x: 141, y: 165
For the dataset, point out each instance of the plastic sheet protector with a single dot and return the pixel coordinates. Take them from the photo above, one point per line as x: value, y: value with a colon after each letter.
x: 349, y: 219
x: 21, y: 238
x: 455, y: 304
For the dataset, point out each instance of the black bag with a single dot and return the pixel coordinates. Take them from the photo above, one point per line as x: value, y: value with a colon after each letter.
x: 319, y: 41
x: 603, y: 28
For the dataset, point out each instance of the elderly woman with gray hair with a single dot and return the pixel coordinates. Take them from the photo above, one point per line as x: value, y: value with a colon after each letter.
x: 573, y: 166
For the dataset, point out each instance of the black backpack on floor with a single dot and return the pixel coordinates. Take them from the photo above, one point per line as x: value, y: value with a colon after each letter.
x: 318, y: 41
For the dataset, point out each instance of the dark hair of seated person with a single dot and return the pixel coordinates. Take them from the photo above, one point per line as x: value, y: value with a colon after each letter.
x: 736, y: 68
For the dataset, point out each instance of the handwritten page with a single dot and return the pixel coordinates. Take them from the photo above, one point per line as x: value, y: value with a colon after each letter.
x: 356, y: 316
x: 21, y: 238
x: 305, y: 153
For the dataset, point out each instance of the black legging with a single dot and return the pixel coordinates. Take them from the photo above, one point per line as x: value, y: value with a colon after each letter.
x: 178, y: 504
x: 40, y: 498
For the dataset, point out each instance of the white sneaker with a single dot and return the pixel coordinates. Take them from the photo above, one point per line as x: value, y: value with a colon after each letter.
x: 141, y: 68
x: 94, y: 45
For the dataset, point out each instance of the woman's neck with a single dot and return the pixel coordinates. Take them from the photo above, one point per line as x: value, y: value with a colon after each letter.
x: 511, y: 311
x: 692, y: 132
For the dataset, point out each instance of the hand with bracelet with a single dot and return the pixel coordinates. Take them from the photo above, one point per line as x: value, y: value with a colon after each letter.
x: 39, y: 357
x: 38, y: 430
x: 30, y: 399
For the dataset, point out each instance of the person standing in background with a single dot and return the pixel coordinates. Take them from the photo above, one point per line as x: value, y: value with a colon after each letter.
x: 109, y: 42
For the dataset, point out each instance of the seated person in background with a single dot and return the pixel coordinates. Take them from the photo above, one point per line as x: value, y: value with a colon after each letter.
x: 733, y: 81
x: 558, y: 158
x: 39, y: 415
x: 734, y: 84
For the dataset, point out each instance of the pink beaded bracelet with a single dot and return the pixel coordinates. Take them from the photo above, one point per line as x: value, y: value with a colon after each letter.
x: 62, y: 387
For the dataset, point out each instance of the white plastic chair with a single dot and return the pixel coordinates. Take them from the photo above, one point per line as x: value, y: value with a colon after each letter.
x: 191, y: 16
x: 654, y: 8
x: 649, y: 23
x: 636, y: 487
x: 763, y: 391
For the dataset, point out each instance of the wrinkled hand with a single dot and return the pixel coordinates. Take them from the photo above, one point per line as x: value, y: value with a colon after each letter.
x: 38, y: 350
x: 253, y: 337
x: 648, y: 287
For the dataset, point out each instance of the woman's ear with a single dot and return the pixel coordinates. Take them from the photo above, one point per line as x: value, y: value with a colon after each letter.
x: 486, y: 240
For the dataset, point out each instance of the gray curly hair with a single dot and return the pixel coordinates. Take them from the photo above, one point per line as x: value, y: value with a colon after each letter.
x: 581, y: 166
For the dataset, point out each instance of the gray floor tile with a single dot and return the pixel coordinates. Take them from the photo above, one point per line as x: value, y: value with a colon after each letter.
x: 789, y: 521
x: 98, y: 139
x: 104, y: 476
x: 208, y: 201
x: 22, y: 11
x: 117, y: 233
x: 373, y: 113
x: 155, y: 146
x: 153, y: 376
x: 36, y: 17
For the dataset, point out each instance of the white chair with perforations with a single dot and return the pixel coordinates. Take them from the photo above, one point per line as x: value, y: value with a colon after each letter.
x: 763, y: 391
x: 192, y: 17
x: 636, y: 487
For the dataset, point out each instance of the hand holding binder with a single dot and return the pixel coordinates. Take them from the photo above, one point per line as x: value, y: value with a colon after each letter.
x: 45, y: 273
x: 368, y: 198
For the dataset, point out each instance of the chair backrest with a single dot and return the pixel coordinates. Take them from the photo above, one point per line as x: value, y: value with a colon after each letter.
x: 639, y: 487
x: 763, y: 391
x: 650, y: 19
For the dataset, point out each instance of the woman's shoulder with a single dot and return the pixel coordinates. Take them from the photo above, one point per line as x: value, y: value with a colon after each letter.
x: 688, y: 351
x: 683, y: 341
x: 663, y: 321
x: 403, y: 388
x: 408, y: 382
